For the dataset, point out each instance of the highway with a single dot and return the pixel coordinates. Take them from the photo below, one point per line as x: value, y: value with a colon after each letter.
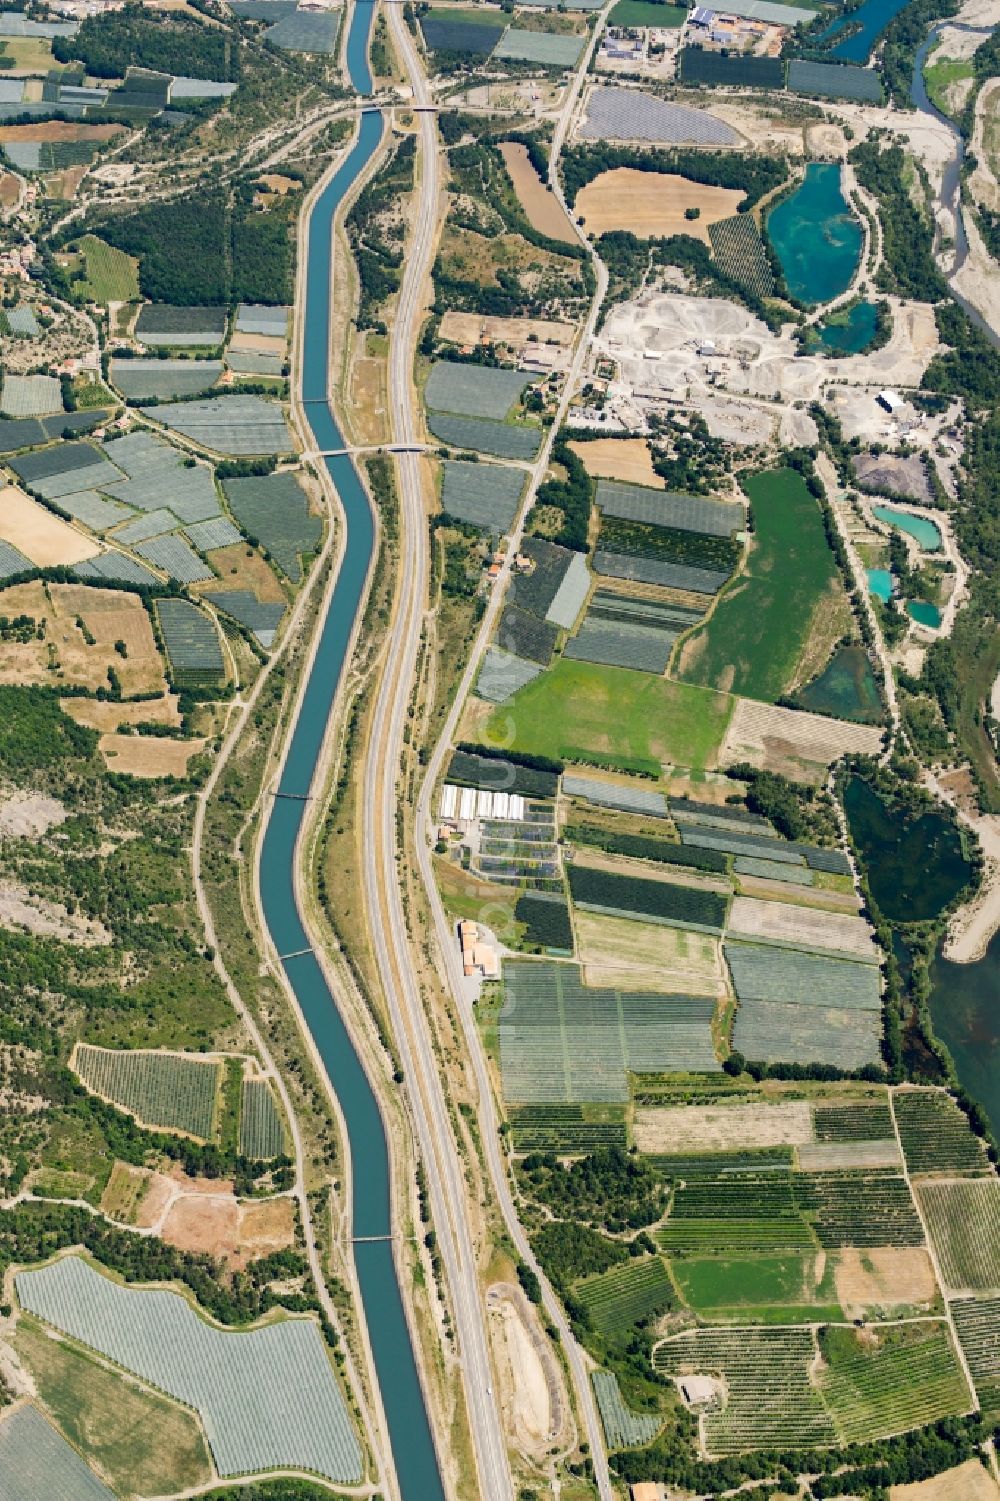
x: 435, y: 1139
x: 386, y: 916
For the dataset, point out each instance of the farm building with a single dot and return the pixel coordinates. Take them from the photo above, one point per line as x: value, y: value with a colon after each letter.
x: 891, y: 401
x: 477, y: 957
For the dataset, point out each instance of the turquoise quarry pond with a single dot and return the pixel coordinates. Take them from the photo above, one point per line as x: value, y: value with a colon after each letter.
x: 880, y: 583
x: 872, y: 18
x: 392, y: 1351
x: 854, y: 333
x: 965, y: 1010
x: 817, y: 238
x: 915, y: 866
x: 923, y: 612
x: 918, y: 527
x: 846, y: 688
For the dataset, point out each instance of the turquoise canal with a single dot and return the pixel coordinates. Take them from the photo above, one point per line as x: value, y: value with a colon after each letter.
x: 965, y: 1010
x: 924, y: 532
x: 871, y: 18
x: 915, y: 866
x: 817, y: 238
x: 850, y: 332
x: 395, y: 1366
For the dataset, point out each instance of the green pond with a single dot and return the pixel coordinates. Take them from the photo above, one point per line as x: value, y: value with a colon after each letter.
x: 851, y: 332
x: 915, y: 866
x: 965, y: 1010
x: 923, y: 612
x: 880, y: 584
x: 845, y: 688
x: 924, y: 532
x: 817, y: 238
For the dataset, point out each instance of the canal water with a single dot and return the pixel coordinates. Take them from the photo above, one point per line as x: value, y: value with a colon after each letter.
x: 395, y: 1365
x: 816, y: 236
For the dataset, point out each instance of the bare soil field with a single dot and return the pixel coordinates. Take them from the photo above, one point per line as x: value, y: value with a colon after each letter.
x: 218, y: 1225
x: 148, y: 755
x: 542, y: 208
x: 530, y: 1394
x: 647, y: 956
x: 883, y: 1277
x: 653, y: 203
x: 68, y: 653
x: 619, y: 458
x: 711, y: 1128
x: 58, y: 130
x: 470, y: 328
x: 827, y: 1156
x: 790, y: 741
x: 258, y: 343
x: 105, y: 715
x: 970, y: 1482
x: 242, y: 568
x: 125, y: 1191
x: 43, y: 537
x: 810, y: 896
x: 892, y: 474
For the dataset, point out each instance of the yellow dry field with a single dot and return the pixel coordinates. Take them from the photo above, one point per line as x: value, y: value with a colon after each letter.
x: 219, y: 1225
x: 619, y: 458
x: 883, y: 1277
x: 46, y: 539
x: 258, y: 343
x: 125, y: 1191
x: 793, y: 742
x: 64, y: 655
x: 713, y: 1128
x: 970, y: 1482
x: 10, y: 190
x: 148, y: 755
x: 58, y: 130
x: 542, y: 208
x: 242, y: 568
x: 652, y: 203
x: 470, y: 328
x: 620, y: 953
x: 104, y: 715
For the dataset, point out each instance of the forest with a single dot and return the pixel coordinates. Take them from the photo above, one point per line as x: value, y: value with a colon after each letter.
x: 376, y: 232
x: 109, y: 44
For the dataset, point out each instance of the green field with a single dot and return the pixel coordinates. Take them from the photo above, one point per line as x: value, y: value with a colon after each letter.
x: 646, y: 13
x: 768, y: 1288
x: 579, y: 707
x: 939, y: 76
x: 111, y: 275
x: 754, y: 639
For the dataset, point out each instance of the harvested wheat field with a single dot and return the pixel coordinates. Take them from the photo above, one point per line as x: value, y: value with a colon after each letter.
x: 619, y: 458
x: 74, y: 640
x: 542, y: 208
x: 258, y: 343
x: 630, y: 955
x: 46, y: 539
x: 790, y: 741
x: 653, y: 203
x: 104, y: 715
x: 470, y: 328
x: 970, y: 1482
x: 883, y: 1277
x: 58, y: 130
x: 148, y: 755
x: 714, y: 1128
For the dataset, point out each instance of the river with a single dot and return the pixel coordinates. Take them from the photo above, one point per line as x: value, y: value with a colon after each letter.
x: 392, y: 1350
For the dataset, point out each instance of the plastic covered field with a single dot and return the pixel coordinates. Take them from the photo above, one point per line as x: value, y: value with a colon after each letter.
x: 484, y: 495
x: 473, y: 390
x: 690, y: 513
x: 766, y: 972
x: 268, y: 1397
x: 501, y: 439
x: 274, y: 509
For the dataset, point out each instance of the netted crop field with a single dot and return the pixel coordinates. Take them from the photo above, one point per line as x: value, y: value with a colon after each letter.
x: 739, y: 252
x: 785, y: 924
x: 306, y: 31
x: 721, y: 816
x: 690, y: 513
x: 273, y: 509
x: 977, y: 1321
x: 563, y: 1041
x: 623, y: 1428
x: 772, y: 1404
x: 473, y: 390
x: 37, y: 1461
x: 30, y: 396
x: 626, y: 1294
x: 217, y: 531
x: 710, y: 1164
x: 157, y: 473
x: 773, y: 870
x: 936, y: 1135
x: 160, y: 323
x: 698, y: 66
x: 644, y: 847
x: 502, y: 674
x: 765, y: 972
x: 175, y: 557
x: 192, y: 641
x: 893, y: 1380
x: 526, y: 635
x: 652, y: 901
x: 268, y: 1397
x: 834, y: 81
x: 645, y: 570
x: 563, y: 1129
x: 260, y: 616
x: 538, y: 590
x: 238, y: 425
x: 824, y: 1156
x: 494, y: 774
x: 671, y: 544
x: 764, y: 847
x: 501, y: 439
x: 484, y: 495
x: 164, y: 379
x: 449, y: 30
x: 772, y: 1032
x: 165, y: 1090
x: 545, y: 915
x: 963, y: 1220
x: 611, y: 606
x: 547, y: 49
x: 644, y: 648
x: 618, y: 114
x: 630, y: 798
x: 261, y: 1134
x: 865, y: 1120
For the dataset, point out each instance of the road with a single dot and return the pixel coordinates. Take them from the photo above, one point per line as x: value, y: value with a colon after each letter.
x: 432, y: 1125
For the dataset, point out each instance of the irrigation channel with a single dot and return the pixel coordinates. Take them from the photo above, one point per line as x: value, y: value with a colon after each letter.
x: 388, y: 1331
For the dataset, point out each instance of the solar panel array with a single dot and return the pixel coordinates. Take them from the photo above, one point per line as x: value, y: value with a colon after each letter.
x: 561, y: 1040
x: 473, y: 390
x: 164, y: 379
x: 484, y: 495
x: 268, y: 1397
x: 628, y: 115
x: 689, y: 513
x: 228, y: 424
